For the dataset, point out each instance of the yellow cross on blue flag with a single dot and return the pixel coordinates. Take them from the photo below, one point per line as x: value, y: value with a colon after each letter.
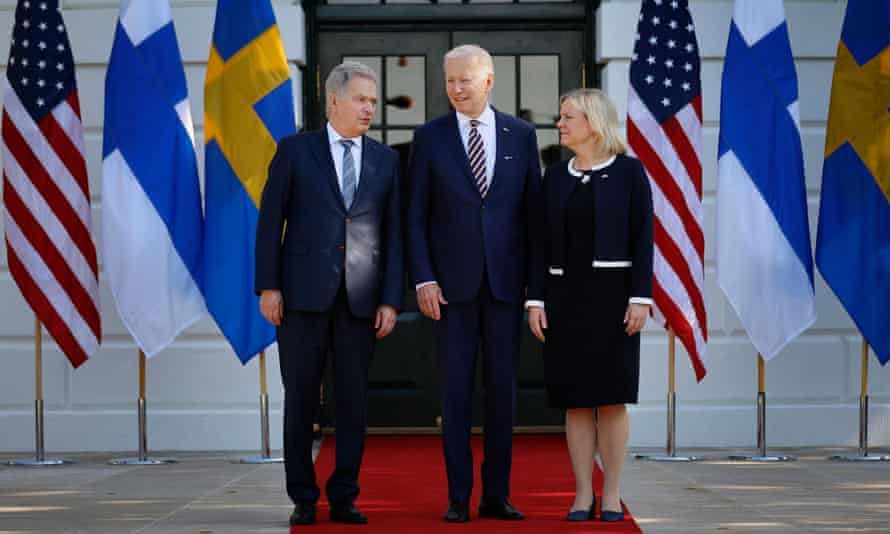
x: 248, y: 107
x: 853, y: 243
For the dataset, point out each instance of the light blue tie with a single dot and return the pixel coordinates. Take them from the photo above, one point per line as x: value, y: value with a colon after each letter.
x: 348, y: 173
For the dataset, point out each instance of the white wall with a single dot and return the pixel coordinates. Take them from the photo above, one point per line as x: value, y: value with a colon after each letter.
x: 201, y: 398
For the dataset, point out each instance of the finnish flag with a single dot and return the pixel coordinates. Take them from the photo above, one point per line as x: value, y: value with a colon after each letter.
x: 152, y: 217
x: 764, y: 256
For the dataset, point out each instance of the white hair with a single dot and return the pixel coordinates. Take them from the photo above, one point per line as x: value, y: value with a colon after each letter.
x: 470, y: 51
x: 343, y: 73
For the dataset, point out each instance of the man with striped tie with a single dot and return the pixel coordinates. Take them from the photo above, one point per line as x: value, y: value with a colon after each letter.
x: 472, y: 173
x: 330, y: 274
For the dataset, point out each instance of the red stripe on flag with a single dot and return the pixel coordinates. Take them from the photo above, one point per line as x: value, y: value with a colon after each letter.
x: 677, y: 322
x: 674, y: 257
x: 696, y: 105
x: 685, y: 151
x: 50, y: 191
x: 662, y: 177
x: 66, y: 150
x: 74, y: 102
x: 54, y: 260
x: 45, y: 311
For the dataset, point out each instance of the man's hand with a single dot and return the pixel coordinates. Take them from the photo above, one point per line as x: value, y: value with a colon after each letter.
x: 272, y: 306
x: 537, y: 321
x: 385, y: 320
x: 429, y: 297
x: 635, y: 318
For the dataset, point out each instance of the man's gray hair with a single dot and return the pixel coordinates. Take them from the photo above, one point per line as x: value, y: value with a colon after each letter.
x: 343, y: 73
x: 470, y: 51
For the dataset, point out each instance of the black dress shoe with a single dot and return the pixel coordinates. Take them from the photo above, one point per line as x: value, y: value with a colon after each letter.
x: 303, y: 514
x: 348, y: 513
x: 499, y: 510
x: 458, y: 512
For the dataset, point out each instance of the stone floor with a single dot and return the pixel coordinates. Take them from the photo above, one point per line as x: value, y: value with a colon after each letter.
x: 209, y: 494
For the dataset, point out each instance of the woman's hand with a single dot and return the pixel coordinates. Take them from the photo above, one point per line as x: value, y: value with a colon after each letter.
x: 537, y: 321
x: 634, y: 318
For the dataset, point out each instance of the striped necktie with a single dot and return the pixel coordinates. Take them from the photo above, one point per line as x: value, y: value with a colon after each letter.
x: 348, y: 173
x: 476, y: 152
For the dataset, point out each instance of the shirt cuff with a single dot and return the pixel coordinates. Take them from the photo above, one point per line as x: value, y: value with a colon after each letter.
x: 641, y: 300
x: 534, y: 304
x: 420, y: 285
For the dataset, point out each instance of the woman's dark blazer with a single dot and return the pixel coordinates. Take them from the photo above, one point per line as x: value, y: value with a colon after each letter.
x: 623, y: 221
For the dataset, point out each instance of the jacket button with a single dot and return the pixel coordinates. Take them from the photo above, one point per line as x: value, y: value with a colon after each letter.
x: 348, y: 220
x: 341, y: 247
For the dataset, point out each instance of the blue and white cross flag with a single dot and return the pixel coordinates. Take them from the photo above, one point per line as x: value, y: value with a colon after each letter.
x: 152, y: 216
x: 764, y: 256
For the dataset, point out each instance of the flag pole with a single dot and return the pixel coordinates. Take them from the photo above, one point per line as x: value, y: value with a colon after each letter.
x: 761, y: 423
x: 142, y: 458
x: 670, y: 454
x: 863, y: 455
x: 761, y: 405
x: 40, y: 458
x: 266, y: 454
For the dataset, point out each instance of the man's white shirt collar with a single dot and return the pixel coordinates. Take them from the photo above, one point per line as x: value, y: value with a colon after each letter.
x: 334, y: 137
x: 486, y: 118
x: 336, y: 150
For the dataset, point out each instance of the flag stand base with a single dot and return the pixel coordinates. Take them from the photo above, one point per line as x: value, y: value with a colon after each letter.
x: 142, y: 461
x: 40, y: 459
x: 761, y: 427
x: 858, y: 458
x: 761, y: 458
x: 668, y: 458
x: 40, y: 463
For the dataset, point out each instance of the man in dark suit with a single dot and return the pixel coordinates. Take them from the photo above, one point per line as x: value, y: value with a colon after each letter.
x: 330, y: 275
x: 473, y: 173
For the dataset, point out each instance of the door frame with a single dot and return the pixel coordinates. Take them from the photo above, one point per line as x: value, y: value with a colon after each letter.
x: 368, y: 22
x: 321, y: 17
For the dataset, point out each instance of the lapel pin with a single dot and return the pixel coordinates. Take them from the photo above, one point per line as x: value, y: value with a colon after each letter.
x: 506, y: 129
x: 604, y: 176
x: 508, y: 157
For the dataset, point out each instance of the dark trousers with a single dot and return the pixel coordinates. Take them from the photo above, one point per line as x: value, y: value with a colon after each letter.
x: 304, y: 340
x: 463, y: 329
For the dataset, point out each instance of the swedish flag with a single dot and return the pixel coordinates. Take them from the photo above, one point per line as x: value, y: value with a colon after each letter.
x: 248, y: 107
x: 853, y: 243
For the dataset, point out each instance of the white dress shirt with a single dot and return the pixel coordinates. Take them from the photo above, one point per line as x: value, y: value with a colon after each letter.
x: 334, y: 138
x: 486, y: 129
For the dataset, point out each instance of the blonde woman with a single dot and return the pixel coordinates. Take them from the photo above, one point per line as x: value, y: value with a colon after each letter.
x: 591, y: 290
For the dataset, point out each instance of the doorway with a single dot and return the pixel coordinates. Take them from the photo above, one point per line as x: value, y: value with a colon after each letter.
x: 539, y: 52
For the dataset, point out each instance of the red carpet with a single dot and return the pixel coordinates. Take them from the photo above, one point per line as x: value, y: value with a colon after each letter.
x: 404, y: 489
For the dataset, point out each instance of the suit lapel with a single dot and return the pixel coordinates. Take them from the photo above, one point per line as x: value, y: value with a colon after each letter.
x: 458, y: 152
x: 370, y: 163
x: 503, y: 136
x: 321, y: 149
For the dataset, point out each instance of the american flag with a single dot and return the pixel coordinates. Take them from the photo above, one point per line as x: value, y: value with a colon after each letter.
x: 46, y: 196
x: 664, y: 121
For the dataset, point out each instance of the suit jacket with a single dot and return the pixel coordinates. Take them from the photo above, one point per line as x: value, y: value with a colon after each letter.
x: 306, y: 237
x: 623, y: 224
x: 454, y: 235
